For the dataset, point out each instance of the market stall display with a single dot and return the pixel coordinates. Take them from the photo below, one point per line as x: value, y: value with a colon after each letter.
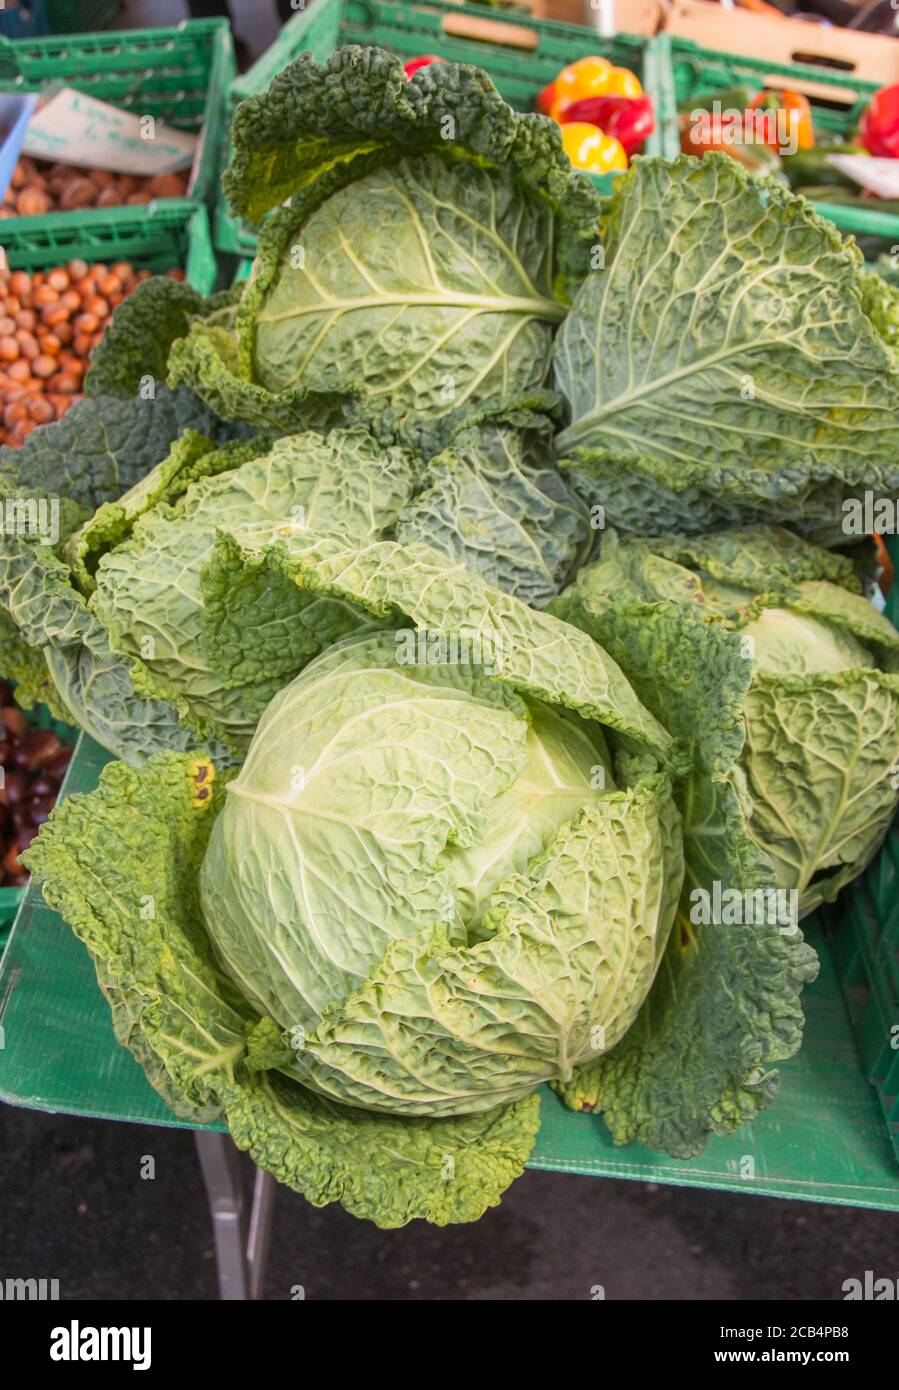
x: 49, y: 325
x: 463, y: 619
x: 412, y: 509
x: 778, y: 118
x: 40, y: 187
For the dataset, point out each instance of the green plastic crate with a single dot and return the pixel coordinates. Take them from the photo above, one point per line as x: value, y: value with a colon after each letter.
x: 11, y: 898
x: 180, y: 75
x: 686, y: 70
x: 865, y: 924
x: 409, y: 30
x: 153, y: 236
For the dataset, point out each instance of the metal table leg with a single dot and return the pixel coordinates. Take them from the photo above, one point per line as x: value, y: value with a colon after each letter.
x: 241, y: 1244
x: 260, y: 1229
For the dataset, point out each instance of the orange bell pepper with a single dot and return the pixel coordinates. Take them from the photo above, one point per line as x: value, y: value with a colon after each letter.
x: 589, y: 77
x: 799, y: 119
x: 887, y: 573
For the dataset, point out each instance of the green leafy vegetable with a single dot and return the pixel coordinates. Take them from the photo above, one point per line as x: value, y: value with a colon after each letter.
x: 821, y: 712
x: 724, y: 1007
x: 51, y: 642
x: 193, y: 1031
x: 779, y: 677
x: 421, y: 832
x: 495, y: 500
x: 721, y: 368
x: 429, y: 250
x: 147, y: 588
x: 436, y: 881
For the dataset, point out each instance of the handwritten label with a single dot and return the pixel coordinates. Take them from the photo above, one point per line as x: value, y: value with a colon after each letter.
x: 72, y: 128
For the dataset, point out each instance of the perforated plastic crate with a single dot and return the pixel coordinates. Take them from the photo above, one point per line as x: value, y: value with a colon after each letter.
x: 154, y: 236
x: 180, y: 75
x: 75, y: 16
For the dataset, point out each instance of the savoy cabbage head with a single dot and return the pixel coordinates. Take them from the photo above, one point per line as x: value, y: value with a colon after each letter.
x: 668, y: 1082
x: 437, y: 880
x: 50, y: 642
x: 728, y: 361
x: 819, y: 726
x: 116, y: 608
x: 431, y: 244
x: 110, y: 623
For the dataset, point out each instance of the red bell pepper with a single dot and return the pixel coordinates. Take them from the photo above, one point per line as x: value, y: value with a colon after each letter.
x: 629, y: 119
x: 879, y: 126
x: 414, y: 64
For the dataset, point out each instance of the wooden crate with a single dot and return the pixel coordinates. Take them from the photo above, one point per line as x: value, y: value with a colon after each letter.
x: 864, y: 57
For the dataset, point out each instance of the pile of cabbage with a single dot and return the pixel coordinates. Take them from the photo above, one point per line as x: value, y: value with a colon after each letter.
x: 466, y: 604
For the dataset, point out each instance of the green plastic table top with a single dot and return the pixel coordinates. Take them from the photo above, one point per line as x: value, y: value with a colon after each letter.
x: 822, y: 1140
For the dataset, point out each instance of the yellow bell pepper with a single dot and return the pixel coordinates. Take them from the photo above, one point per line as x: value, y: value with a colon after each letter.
x: 590, y: 149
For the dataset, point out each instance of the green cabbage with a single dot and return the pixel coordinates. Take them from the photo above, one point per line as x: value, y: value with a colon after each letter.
x: 726, y: 362
x: 431, y: 244
x: 50, y: 641
x: 819, y: 742
x: 433, y: 884
x: 110, y: 624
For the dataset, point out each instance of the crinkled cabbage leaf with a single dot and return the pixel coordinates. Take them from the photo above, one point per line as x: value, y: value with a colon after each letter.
x: 721, y: 366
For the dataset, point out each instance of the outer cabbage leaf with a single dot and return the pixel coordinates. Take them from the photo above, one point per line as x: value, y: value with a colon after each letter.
x: 53, y: 646
x: 27, y: 666
x: 135, y: 346
x: 820, y: 759
x: 575, y: 942
x: 720, y: 367
x: 495, y: 500
x: 102, y: 447
x: 94, y: 686
x: 725, y: 1003
x: 315, y: 120
x: 145, y: 832
x: 148, y: 588
x: 190, y: 457
x: 411, y: 587
x: 723, y: 1009
x: 763, y: 558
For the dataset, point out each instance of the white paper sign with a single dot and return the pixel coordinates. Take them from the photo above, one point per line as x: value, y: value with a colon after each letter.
x: 880, y: 176
x: 72, y: 128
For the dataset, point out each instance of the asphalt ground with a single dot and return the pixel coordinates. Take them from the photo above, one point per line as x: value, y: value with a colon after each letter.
x: 74, y: 1206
